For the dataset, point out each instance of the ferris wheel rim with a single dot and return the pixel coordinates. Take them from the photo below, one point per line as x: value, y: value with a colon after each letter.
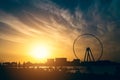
x: 101, y: 45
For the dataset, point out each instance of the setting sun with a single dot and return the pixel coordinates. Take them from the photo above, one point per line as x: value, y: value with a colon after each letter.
x: 40, y: 51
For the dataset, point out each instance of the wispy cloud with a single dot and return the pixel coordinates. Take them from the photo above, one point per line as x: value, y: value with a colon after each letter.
x: 46, y: 18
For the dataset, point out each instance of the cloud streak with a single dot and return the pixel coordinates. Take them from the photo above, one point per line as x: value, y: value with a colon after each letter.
x: 50, y: 19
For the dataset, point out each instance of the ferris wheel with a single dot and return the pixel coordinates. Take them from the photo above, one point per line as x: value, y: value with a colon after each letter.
x: 88, y: 47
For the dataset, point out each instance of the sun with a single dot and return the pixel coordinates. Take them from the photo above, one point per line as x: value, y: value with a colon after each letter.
x: 40, y: 51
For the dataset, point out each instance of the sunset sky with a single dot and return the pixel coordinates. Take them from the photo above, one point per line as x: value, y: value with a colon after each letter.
x: 51, y: 26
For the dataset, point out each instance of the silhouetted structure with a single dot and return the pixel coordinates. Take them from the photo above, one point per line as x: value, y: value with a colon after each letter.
x: 99, y: 70
x: 88, y: 55
x: 50, y: 61
x: 76, y: 61
x: 60, y: 61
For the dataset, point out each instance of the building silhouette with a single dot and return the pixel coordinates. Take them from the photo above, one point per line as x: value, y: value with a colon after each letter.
x: 50, y: 62
x: 60, y: 61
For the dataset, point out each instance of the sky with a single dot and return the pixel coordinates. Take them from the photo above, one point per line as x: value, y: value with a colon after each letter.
x: 25, y: 24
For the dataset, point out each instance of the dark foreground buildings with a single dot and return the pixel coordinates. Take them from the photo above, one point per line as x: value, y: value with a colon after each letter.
x: 60, y: 69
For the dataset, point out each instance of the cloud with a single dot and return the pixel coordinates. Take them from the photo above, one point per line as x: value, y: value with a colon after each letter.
x: 24, y: 19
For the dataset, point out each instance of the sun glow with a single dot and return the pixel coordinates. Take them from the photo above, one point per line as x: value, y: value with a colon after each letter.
x: 40, y: 51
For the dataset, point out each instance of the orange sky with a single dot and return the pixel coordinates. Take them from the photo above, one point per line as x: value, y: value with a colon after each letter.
x: 25, y: 25
x: 12, y: 51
